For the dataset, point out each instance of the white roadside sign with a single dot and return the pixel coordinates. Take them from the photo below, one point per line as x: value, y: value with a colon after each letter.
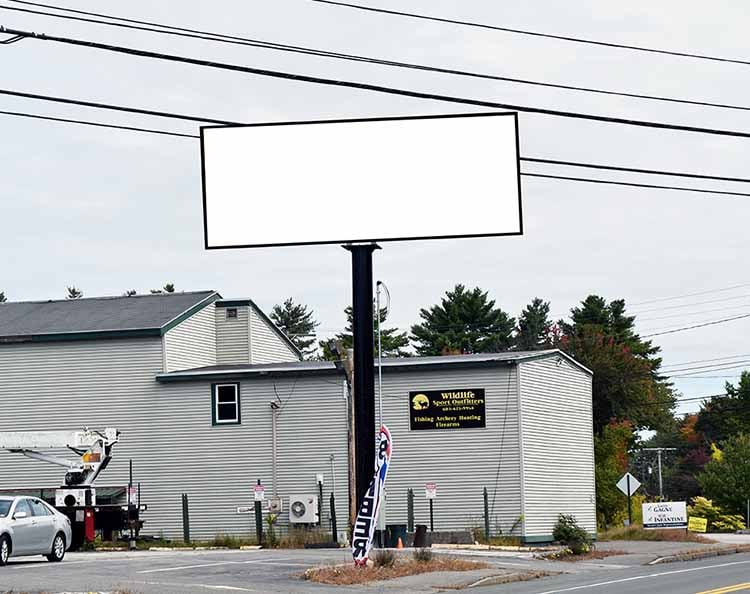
x: 430, y: 490
x: 665, y: 514
x: 628, y: 484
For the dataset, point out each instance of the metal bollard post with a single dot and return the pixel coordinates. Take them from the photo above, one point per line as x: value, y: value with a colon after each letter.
x: 334, y: 529
x: 258, y: 520
x: 486, y: 515
x: 432, y: 523
x: 185, y: 519
x: 410, y: 510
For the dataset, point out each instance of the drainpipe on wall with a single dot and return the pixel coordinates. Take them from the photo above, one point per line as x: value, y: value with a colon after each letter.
x: 274, y: 416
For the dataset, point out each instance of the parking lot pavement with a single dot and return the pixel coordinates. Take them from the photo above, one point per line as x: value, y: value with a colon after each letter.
x: 169, y: 572
x: 201, y: 572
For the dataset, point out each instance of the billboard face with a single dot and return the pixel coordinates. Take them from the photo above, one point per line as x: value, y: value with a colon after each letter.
x: 344, y: 181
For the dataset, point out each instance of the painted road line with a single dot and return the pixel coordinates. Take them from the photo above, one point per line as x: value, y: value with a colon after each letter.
x: 206, y: 586
x: 642, y: 577
x: 199, y: 565
x: 734, y: 588
x: 287, y: 563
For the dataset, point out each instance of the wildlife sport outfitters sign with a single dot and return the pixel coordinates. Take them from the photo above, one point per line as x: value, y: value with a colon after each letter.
x: 447, y: 409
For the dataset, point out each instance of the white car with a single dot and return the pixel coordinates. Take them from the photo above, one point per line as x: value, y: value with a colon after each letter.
x: 29, y: 526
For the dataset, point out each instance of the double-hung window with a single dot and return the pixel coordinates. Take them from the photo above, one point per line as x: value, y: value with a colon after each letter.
x: 225, y: 401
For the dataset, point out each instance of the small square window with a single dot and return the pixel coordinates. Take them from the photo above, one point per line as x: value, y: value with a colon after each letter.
x: 231, y: 313
x: 225, y: 401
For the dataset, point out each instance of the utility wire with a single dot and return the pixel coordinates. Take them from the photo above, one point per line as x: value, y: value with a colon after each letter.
x: 636, y: 170
x: 177, y: 134
x: 370, y: 87
x: 707, y: 360
x: 712, y: 367
x: 632, y: 184
x: 150, y: 112
x: 222, y: 38
x: 96, y: 124
x: 711, y: 323
x: 692, y: 294
x: 639, y: 48
x: 683, y: 305
x: 172, y: 115
x: 694, y: 313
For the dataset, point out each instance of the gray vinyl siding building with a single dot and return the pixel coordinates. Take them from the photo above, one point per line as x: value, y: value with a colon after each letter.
x: 149, y: 365
x: 247, y: 335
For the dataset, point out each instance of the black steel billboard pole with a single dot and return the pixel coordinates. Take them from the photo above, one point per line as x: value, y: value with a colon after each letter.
x: 364, y: 368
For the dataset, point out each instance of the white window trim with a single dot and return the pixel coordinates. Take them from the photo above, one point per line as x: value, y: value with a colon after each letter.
x: 236, y: 418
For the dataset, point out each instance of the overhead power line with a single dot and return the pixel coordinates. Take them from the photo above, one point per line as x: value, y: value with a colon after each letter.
x: 632, y: 184
x: 699, y: 377
x: 742, y: 356
x: 108, y: 106
x: 165, y: 29
x: 95, y: 124
x: 694, y: 313
x: 373, y: 88
x: 191, y: 118
x: 711, y: 367
x: 697, y: 372
x: 692, y: 294
x: 711, y: 323
x: 195, y: 136
x: 640, y: 48
x: 636, y: 170
x: 683, y: 305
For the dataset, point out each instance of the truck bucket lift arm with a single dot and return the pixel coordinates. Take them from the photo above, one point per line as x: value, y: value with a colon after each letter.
x: 94, y: 447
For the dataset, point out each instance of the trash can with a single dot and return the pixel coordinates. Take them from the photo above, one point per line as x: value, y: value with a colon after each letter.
x: 420, y: 537
x: 393, y: 532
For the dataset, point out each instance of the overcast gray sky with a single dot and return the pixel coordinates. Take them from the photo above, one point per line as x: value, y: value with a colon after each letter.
x: 113, y: 210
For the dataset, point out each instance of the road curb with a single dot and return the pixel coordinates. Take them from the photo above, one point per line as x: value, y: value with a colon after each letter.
x: 697, y: 555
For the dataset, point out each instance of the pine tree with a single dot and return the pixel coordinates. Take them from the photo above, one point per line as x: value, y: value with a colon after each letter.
x: 74, y: 293
x: 129, y: 293
x: 3, y: 298
x: 726, y: 416
x: 297, y: 321
x: 464, y: 322
x: 168, y: 288
x: 626, y: 383
x: 533, y: 330
x: 393, y: 343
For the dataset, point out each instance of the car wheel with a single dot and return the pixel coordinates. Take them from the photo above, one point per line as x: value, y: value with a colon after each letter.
x: 58, y: 548
x: 4, y: 549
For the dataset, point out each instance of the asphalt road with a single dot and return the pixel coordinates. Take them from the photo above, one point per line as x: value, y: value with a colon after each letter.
x: 717, y: 575
x: 202, y: 572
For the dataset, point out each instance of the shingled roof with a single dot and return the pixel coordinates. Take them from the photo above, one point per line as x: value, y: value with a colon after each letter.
x: 96, y: 317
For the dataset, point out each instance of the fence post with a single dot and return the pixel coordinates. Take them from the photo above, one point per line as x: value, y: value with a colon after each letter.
x: 334, y: 529
x: 410, y: 510
x: 185, y: 519
x: 486, y: 515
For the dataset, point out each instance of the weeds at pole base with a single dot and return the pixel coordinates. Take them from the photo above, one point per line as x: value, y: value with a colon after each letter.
x: 347, y: 575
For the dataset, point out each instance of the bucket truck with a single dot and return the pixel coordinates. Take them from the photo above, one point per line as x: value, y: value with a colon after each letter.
x: 77, y: 497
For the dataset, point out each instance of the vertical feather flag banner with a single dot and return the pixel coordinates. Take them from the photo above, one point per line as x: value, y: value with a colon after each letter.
x: 364, y: 526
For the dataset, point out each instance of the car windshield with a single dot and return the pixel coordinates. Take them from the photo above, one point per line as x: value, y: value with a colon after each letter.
x: 5, y: 507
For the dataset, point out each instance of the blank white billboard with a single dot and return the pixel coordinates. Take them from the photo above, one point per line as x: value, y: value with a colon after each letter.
x: 347, y: 181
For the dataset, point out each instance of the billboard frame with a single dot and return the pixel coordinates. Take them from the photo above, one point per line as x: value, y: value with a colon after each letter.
x: 350, y: 241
